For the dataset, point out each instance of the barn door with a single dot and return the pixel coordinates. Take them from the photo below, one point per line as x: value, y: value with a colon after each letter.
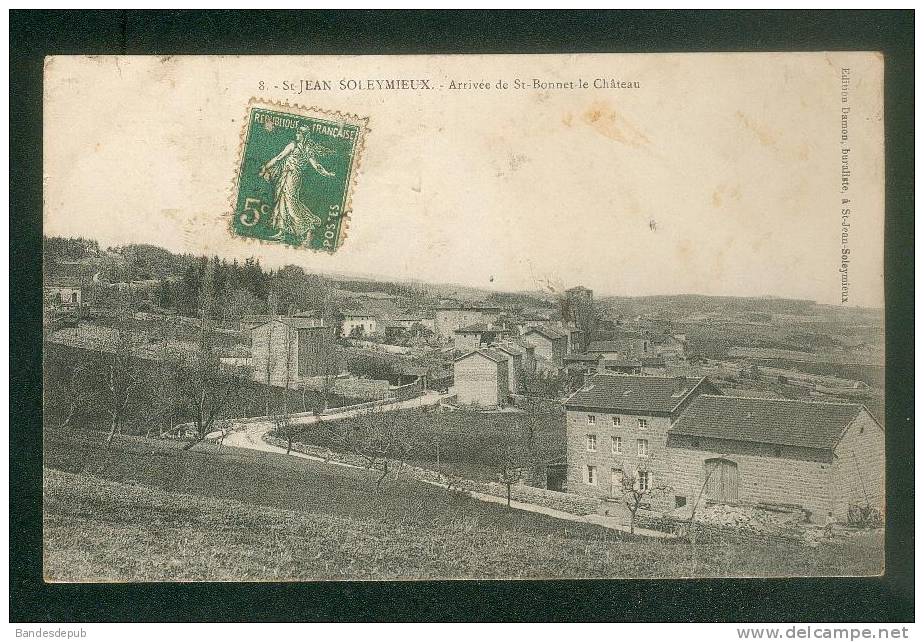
x: 722, y: 481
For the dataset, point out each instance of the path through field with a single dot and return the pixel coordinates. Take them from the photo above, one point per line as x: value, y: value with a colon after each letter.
x: 251, y: 436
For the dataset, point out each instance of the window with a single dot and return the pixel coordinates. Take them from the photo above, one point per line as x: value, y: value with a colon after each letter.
x: 592, y: 443
x: 591, y: 419
x: 680, y: 501
x: 644, y: 480
x: 592, y: 475
x: 617, y: 445
x: 642, y: 447
x: 617, y: 421
x: 643, y: 424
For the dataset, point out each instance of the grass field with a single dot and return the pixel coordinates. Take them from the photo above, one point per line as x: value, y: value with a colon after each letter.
x: 145, y: 510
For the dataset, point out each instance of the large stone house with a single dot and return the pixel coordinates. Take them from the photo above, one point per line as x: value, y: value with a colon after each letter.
x: 481, y: 378
x: 449, y: 318
x: 286, y: 350
x: 684, y: 436
x: 617, y: 423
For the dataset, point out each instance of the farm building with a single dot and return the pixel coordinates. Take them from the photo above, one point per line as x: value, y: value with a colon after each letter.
x: 582, y: 362
x: 528, y: 360
x: 478, y: 334
x: 62, y: 295
x: 408, y: 321
x: 821, y: 457
x: 670, y: 346
x: 551, y: 344
x: 514, y: 356
x: 251, y: 321
x: 359, y: 323
x: 620, y: 365
x: 288, y: 349
x: 653, y: 366
x: 623, y: 347
x: 685, y: 436
x: 481, y: 378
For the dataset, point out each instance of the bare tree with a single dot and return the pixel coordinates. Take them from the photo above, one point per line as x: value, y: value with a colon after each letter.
x: 78, y: 394
x: 510, y: 471
x: 211, y: 385
x: 124, y: 374
x: 282, y: 420
x: 382, y: 438
x: 638, y: 491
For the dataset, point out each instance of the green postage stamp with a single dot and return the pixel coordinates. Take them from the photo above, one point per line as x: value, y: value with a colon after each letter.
x: 295, y: 175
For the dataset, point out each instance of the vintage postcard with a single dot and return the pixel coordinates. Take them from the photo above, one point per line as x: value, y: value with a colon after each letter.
x: 463, y: 316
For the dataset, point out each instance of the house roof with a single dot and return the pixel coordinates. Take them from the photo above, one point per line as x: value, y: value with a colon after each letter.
x: 547, y: 332
x: 783, y: 422
x: 513, y: 350
x: 652, y: 361
x: 295, y: 322
x: 615, y: 345
x: 634, y: 393
x: 468, y: 306
x: 521, y: 343
x: 582, y: 357
x: 62, y: 282
x: 622, y: 363
x: 480, y: 327
x: 493, y: 355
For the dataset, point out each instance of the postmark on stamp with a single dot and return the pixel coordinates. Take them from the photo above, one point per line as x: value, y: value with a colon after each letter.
x: 295, y: 175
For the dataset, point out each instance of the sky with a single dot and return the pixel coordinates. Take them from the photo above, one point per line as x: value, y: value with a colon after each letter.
x: 720, y: 174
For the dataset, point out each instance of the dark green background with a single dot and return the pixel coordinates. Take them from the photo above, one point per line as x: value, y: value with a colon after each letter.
x: 36, y: 34
x: 318, y: 192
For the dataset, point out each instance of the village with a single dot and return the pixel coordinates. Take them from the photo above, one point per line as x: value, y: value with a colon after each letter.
x: 603, y: 411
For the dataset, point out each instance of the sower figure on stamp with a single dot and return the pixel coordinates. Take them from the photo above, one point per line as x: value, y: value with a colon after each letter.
x: 290, y: 214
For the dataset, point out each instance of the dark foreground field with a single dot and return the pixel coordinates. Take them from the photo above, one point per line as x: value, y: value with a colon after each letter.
x: 146, y: 510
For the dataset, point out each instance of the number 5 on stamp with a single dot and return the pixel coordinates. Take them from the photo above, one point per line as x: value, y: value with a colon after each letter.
x: 296, y: 174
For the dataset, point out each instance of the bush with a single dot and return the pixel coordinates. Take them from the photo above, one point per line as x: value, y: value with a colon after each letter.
x: 864, y: 516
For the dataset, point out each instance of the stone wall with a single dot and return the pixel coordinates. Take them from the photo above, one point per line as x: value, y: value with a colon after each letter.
x: 762, y: 476
x: 858, y: 475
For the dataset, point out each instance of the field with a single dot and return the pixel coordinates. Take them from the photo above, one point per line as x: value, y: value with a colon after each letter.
x: 145, y: 510
x: 472, y: 444
x: 157, y: 403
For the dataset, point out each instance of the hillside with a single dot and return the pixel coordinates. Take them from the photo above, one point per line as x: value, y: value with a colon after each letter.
x: 146, y: 510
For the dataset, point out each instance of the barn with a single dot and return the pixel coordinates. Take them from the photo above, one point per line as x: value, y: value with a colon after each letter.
x: 818, y: 456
